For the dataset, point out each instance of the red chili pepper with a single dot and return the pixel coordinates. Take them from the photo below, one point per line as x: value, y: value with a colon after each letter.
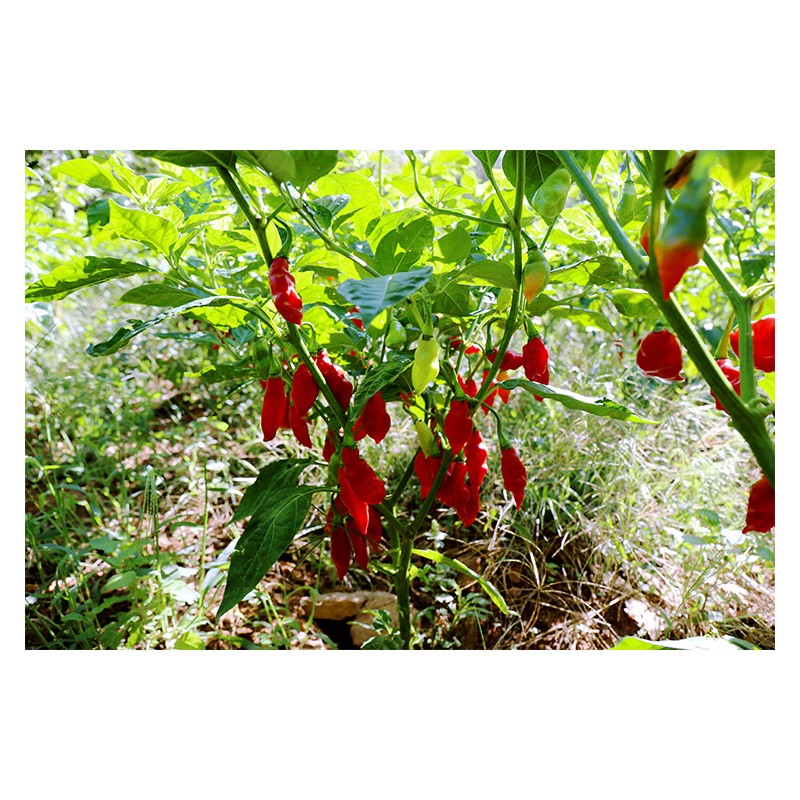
x: 760, y: 507
x: 284, y: 293
x: 458, y: 425
x: 502, y: 393
x: 304, y: 390
x: 469, y: 510
x: 329, y: 448
x: 361, y: 477
x: 374, y: 419
x: 335, y: 377
x: 511, y: 359
x: 426, y: 469
x: 659, y: 356
x: 535, y: 360
x: 273, y: 409
x: 340, y: 550
x: 357, y: 321
x: 374, y: 528
x: 763, y: 343
x: 731, y: 372
x: 470, y: 388
x: 476, y: 455
x: 454, y: 491
x: 515, y: 476
x: 358, y: 543
x: 299, y: 425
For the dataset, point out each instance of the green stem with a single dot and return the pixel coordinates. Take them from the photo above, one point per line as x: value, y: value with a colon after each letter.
x: 749, y: 423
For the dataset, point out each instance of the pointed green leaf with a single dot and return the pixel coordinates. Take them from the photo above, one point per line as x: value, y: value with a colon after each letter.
x: 486, y: 271
x: 142, y: 226
x: 539, y: 164
x: 455, y: 246
x: 488, y: 158
x: 159, y: 294
x: 277, y: 515
x: 311, y: 165
x: 80, y: 272
x: 279, y: 164
x: 137, y: 326
x: 90, y: 173
x: 373, y: 295
x: 269, y: 480
x: 601, y: 406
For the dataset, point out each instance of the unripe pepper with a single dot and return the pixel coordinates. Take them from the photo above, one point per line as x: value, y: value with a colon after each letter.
x: 763, y: 343
x: 680, y: 243
x: 426, y: 363
x: 731, y: 372
x: 284, y: 292
x: 458, y: 425
x: 760, y: 507
x: 424, y: 436
x: 626, y: 206
x: 515, y: 476
x: 551, y: 196
x: 274, y: 407
x: 659, y: 356
x: 536, y: 274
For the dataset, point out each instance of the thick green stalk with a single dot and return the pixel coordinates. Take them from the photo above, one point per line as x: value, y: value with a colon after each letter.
x: 749, y: 423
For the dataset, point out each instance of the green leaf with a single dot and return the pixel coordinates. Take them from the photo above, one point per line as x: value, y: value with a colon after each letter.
x: 539, y: 164
x: 193, y: 158
x: 753, y: 269
x: 125, y: 334
x: 269, y: 480
x: 486, y: 272
x: 373, y: 295
x: 599, y: 270
x: 376, y: 379
x: 692, y: 643
x: 191, y: 640
x: 601, y: 406
x: 438, y: 558
x: 365, y: 202
x: 583, y: 317
x: 399, y: 239
x: 278, y: 513
x: 311, y: 165
x: 279, y: 164
x: 767, y: 384
x: 455, y: 246
x: 635, y: 303
x: 80, y: 272
x: 488, y: 158
x: 90, y: 173
x: 159, y: 294
x: 141, y: 226
x: 97, y: 214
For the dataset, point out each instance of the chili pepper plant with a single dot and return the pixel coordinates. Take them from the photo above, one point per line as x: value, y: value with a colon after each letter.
x: 348, y: 300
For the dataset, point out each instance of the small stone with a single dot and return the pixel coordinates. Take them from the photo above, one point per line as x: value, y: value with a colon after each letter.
x: 338, y: 605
